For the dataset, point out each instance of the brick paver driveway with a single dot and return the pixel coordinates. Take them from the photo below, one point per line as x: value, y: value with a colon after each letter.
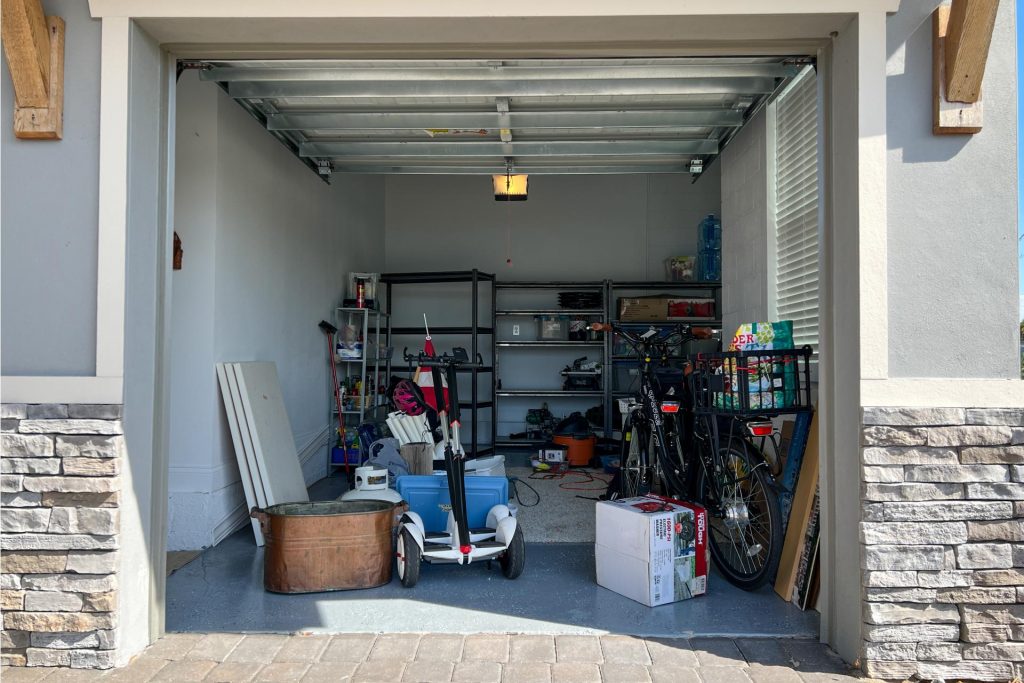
x: 425, y: 658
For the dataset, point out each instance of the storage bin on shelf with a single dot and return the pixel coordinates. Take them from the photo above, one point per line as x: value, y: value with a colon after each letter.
x: 552, y: 328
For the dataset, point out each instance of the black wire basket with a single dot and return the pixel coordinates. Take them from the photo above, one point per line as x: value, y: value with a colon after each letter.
x: 772, y: 382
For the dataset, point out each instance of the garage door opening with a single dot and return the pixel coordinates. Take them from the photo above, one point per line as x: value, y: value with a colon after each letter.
x: 627, y: 159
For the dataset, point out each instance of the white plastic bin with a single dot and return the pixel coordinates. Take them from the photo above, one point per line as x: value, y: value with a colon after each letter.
x: 493, y: 466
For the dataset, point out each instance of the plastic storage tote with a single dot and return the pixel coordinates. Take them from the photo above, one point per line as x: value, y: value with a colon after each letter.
x: 427, y: 496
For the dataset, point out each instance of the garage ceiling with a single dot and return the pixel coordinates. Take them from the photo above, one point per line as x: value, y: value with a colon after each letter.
x: 542, y: 116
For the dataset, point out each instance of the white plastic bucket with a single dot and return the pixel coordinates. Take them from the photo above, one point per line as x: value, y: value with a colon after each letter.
x: 493, y: 466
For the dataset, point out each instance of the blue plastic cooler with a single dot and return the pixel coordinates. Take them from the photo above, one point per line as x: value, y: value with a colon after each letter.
x: 427, y: 496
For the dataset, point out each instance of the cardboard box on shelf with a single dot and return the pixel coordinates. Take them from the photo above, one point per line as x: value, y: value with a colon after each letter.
x: 684, y: 308
x: 643, y: 308
x: 652, y: 549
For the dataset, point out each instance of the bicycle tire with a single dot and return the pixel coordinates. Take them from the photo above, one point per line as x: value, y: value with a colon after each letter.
x: 728, y: 543
x: 630, y: 462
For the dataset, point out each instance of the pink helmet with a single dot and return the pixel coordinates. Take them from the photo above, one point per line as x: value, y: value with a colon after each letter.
x: 409, y: 398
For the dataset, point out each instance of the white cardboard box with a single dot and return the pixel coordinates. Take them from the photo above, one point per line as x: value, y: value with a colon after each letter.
x: 654, y: 557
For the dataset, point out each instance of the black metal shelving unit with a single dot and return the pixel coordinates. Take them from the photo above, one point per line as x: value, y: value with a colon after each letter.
x: 474, y: 331
x: 617, y: 289
x: 597, y: 314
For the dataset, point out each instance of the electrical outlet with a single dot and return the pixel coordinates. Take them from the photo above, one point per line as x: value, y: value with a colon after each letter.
x: 515, y: 330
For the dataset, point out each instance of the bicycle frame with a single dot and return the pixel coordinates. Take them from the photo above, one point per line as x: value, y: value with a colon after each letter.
x: 698, y: 443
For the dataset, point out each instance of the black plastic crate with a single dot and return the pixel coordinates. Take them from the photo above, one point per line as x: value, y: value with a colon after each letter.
x: 752, y: 382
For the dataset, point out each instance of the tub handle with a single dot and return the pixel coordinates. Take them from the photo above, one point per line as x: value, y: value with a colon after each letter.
x: 262, y: 516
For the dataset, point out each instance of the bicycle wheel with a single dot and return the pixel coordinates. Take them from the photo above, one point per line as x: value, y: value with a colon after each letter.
x: 631, y: 467
x: 744, y: 518
x: 672, y: 474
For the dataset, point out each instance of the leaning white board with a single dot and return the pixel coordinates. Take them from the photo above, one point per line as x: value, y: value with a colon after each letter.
x: 272, y: 440
x: 245, y: 430
x: 232, y: 410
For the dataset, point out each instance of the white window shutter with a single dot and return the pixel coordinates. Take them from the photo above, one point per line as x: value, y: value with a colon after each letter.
x: 796, y: 208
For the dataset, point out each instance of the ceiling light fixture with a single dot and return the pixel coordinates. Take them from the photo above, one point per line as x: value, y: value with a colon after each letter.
x: 510, y: 187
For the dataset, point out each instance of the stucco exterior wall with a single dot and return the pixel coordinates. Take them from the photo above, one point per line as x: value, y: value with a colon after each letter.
x: 48, y: 261
x: 952, y: 212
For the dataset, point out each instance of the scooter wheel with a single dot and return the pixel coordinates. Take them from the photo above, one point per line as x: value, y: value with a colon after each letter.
x: 408, y: 559
x: 514, y: 559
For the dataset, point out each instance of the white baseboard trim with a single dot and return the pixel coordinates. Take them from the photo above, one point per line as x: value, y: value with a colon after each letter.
x: 314, y: 456
x: 239, y: 515
x: 235, y: 520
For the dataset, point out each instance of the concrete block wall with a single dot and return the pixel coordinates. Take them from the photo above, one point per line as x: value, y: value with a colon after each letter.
x: 59, y: 491
x: 942, y: 531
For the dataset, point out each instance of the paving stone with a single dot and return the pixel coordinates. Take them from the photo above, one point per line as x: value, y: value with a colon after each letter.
x: 574, y: 672
x: 185, y: 670
x: 396, y: 647
x: 379, y: 671
x: 71, y: 676
x: 810, y: 655
x: 440, y: 647
x: 672, y: 674
x: 330, y: 672
x: 669, y: 652
x: 302, y: 649
x: 818, y: 677
x: 724, y: 674
x: 578, y: 649
x: 766, y: 651
x: 282, y: 672
x: 532, y: 649
x: 624, y: 673
x: 24, y: 674
x: 526, y: 672
x: 761, y: 673
x: 214, y: 647
x: 232, y: 672
x: 173, y: 646
x: 477, y: 672
x: 624, y: 650
x: 428, y: 671
x: 141, y: 670
x: 259, y: 649
x: 485, y: 648
x: 348, y: 647
x: 717, y: 652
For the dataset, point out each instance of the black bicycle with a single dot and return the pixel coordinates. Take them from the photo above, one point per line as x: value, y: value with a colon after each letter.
x: 700, y: 432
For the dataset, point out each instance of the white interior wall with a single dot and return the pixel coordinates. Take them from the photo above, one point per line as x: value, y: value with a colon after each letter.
x: 267, y: 246
x: 583, y: 228
x: 745, y: 226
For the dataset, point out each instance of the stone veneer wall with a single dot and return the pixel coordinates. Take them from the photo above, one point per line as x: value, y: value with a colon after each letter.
x: 59, y: 489
x: 942, y: 531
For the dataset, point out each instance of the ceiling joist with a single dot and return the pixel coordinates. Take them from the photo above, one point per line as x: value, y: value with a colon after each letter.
x: 544, y: 116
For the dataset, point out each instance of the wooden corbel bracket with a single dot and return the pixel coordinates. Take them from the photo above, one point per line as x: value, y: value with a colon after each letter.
x: 962, y: 33
x: 34, y: 47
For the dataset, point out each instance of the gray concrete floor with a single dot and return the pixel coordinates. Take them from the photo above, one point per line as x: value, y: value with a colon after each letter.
x: 557, y: 594
x: 443, y: 658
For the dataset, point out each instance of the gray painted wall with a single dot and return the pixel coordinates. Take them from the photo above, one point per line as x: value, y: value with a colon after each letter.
x: 48, y: 260
x: 952, y: 213
x: 267, y: 246
x: 571, y: 228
